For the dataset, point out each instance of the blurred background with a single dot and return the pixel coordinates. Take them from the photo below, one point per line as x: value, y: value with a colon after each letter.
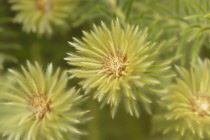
x: 39, y: 30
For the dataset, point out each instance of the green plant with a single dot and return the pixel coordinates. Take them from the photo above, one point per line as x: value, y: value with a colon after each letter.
x: 127, y: 61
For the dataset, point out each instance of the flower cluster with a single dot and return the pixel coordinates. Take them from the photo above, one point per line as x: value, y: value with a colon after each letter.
x: 188, y: 102
x: 38, y: 106
x: 40, y: 16
x: 117, y: 64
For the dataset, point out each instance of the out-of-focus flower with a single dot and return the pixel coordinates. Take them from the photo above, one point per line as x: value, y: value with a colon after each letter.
x: 38, y: 106
x: 117, y: 64
x: 188, y: 103
x: 40, y: 16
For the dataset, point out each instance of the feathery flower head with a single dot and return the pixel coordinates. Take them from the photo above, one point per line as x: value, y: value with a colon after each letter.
x: 116, y: 65
x: 38, y: 106
x: 188, y: 102
x: 40, y: 16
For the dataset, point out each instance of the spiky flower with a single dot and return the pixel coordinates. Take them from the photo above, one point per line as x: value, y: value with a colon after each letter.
x: 40, y: 16
x: 39, y: 107
x: 117, y: 64
x: 188, y: 103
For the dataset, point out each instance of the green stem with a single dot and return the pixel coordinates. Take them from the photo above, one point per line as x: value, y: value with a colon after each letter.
x: 93, y: 126
x: 118, y: 11
x: 36, y: 52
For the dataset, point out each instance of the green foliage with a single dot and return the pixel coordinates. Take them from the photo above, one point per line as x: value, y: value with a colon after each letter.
x: 185, y: 19
x: 5, y: 45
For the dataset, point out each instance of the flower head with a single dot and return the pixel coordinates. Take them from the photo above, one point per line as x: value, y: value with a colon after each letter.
x: 38, y: 106
x: 116, y: 64
x: 188, y: 102
x: 40, y: 16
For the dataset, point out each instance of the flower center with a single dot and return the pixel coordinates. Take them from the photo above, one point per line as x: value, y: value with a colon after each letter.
x: 115, y: 64
x: 39, y: 105
x: 44, y: 5
x: 201, y: 105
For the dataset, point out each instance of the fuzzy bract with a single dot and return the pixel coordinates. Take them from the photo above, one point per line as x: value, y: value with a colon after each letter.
x: 188, y: 103
x: 42, y: 16
x: 38, y: 106
x: 117, y: 64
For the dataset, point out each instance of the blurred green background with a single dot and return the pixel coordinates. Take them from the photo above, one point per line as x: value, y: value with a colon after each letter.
x: 159, y: 16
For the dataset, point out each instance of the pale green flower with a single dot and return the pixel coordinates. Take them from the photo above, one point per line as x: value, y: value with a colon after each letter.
x: 117, y: 64
x: 39, y: 107
x: 188, y: 103
x: 41, y: 16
